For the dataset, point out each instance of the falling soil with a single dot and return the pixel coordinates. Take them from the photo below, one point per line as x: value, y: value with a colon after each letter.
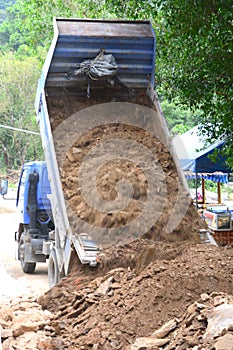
x: 134, y: 193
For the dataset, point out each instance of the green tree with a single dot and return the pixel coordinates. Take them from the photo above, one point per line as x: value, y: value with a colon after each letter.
x: 195, y: 64
x: 30, y: 23
x: 6, y: 3
x: 194, y: 48
x: 18, y: 81
x: 3, y: 5
x: 179, y: 119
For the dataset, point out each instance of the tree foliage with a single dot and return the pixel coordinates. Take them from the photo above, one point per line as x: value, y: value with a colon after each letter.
x: 30, y: 23
x: 196, y: 61
x: 194, y: 51
x: 179, y: 120
x: 3, y: 5
x: 18, y: 85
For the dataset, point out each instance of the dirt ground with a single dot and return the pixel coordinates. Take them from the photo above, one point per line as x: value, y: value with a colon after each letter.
x: 14, y: 281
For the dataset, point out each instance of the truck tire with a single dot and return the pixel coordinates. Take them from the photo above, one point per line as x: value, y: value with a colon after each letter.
x: 53, y: 271
x: 27, y: 267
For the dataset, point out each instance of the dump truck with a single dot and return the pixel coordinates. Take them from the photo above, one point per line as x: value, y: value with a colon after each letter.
x: 97, y: 79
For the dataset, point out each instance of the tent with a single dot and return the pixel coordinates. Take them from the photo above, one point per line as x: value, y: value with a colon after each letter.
x: 217, y: 177
x: 193, y: 152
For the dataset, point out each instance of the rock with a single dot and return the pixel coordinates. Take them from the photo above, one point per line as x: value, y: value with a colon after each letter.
x: 70, y: 157
x: 23, y: 328
x: 6, y: 333
x: 4, y: 323
x: 201, y: 317
x: 93, y: 336
x: 27, y: 341
x: 148, y: 342
x: 220, y: 318
x: 105, y: 334
x: 190, y: 319
x: 139, y: 308
x: 104, y: 287
x: 45, y: 345
x: 25, y: 305
x: 204, y: 297
x: 165, y: 329
x: 6, y: 314
x: 116, y: 286
x: 200, y: 306
x: 76, y: 150
x: 224, y: 343
x: 192, y: 309
x: 218, y: 300
x: 191, y: 341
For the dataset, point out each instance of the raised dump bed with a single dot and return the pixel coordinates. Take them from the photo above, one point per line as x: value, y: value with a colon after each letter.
x: 109, y: 127
x: 132, y: 43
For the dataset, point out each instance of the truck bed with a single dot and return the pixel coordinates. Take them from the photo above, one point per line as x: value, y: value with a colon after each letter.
x: 75, y: 40
x: 113, y: 171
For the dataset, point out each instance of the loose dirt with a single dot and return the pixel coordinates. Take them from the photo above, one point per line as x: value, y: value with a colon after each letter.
x: 141, y: 281
x: 154, y: 172
x: 114, y: 308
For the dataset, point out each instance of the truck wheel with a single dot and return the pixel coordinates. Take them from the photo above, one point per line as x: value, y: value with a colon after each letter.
x: 53, y: 271
x: 27, y: 267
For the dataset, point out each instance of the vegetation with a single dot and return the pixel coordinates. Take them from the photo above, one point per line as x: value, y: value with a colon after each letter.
x: 197, y: 43
x: 3, y: 5
x: 194, y: 68
x: 179, y: 119
x: 17, y: 92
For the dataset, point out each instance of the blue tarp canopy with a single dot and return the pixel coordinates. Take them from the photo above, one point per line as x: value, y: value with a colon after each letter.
x: 193, y: 153
x: 218, y: 177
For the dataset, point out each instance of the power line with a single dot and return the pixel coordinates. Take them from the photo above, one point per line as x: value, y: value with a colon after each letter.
x: 18, y: 129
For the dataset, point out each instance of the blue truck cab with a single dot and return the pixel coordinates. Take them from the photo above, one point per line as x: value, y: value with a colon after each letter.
x: 35, y: 231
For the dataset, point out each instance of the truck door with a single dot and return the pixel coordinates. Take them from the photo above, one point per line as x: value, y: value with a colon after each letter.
x: 21, y: 200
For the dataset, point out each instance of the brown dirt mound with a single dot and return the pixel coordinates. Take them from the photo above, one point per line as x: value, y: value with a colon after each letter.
x: 111, y: 311
x: 126, y: 308
x: 206, y: 324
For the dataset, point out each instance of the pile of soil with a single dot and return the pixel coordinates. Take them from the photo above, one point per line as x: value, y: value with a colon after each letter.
x: 125, y: 307
x: 206, y: 324
x: 110, y: 310
x: 148, y: 167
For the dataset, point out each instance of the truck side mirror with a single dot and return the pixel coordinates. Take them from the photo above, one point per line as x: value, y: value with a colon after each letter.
x: 3, y: 187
